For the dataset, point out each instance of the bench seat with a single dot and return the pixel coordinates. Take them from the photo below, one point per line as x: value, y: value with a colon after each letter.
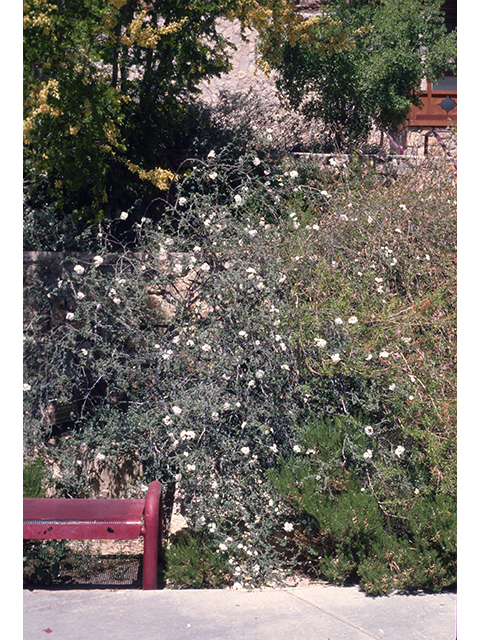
x: 99, y: 519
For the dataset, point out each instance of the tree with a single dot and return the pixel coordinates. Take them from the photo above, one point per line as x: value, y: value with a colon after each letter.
x: 388, y: 47
x: 106, y: 84
x: 109, y: 88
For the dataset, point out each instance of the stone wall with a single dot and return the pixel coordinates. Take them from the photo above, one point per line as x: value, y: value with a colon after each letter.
x: 244, y: 75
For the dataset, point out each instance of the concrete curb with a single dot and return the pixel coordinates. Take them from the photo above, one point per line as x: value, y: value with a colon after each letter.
x: 315, y: 612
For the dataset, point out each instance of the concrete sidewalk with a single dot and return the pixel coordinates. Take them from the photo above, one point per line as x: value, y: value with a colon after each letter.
x: 315, y: 612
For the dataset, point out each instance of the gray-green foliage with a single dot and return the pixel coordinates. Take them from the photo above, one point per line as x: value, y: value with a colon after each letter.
x: 374, y: 79
x: 205, y: 353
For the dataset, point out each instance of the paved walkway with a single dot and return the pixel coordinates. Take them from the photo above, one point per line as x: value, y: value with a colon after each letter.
x: 315, y: 612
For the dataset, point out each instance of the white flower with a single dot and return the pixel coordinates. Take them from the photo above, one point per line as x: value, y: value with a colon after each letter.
x: 352, y: 320
x: 215, y: 415
x: 123, y: 215
x: 167, y: 420
x: 402, y: 206
x: 177, y: 268
x: 242, y: 334
x: 320, y: 343
x: 392, y: 387
x: 116, y: 300
x: 80, y: 295
x: 79, y: 269
x: 399, y: 451
x: 84, y: 352
x: 182, y: 201
x: 213, y: 175
x: 338, y: 321
x: 335, y: 357
x: 324, y: 193
x: 369, y: 431
x: 288, y: 526
x: 297, y: 448
x: 369, y: 219
x: 212, y: 526
x: 166, y: 355
x: 344, y: 217
x: 211, y: 154
x: 245, y: 450
x: 251, y: 383
x: 26, y: 387
x: 383, y: 354
x: 274, y: 448
x: 187, y: 435
x: 285, y: 367
x: 206, y: 348
x: 70, y: 316
x: 259, y: 374
x: 191, y: 467
x: 205, y: 267
x: 256, y: 161
x: 238, y: 199
x: 315, y: 227
x: 294, y: 174
x: 176, y: 411
x: 369, y: 356
x: 368, y: 454
x: 97, y: 261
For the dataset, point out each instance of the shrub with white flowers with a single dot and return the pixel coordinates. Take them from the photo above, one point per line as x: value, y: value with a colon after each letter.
x: 212, y: 353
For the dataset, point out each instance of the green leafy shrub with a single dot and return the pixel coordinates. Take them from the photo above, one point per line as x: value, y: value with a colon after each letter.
x: 43, y: 561
x: 373, y: 78
x: 369, y: 518
x: 193, y: 563
x: 33, y: 474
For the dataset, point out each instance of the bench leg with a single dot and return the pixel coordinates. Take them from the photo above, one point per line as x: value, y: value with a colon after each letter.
x: 152, y: 531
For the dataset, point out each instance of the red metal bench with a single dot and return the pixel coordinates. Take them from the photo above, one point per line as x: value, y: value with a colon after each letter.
x: 100, y: 519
